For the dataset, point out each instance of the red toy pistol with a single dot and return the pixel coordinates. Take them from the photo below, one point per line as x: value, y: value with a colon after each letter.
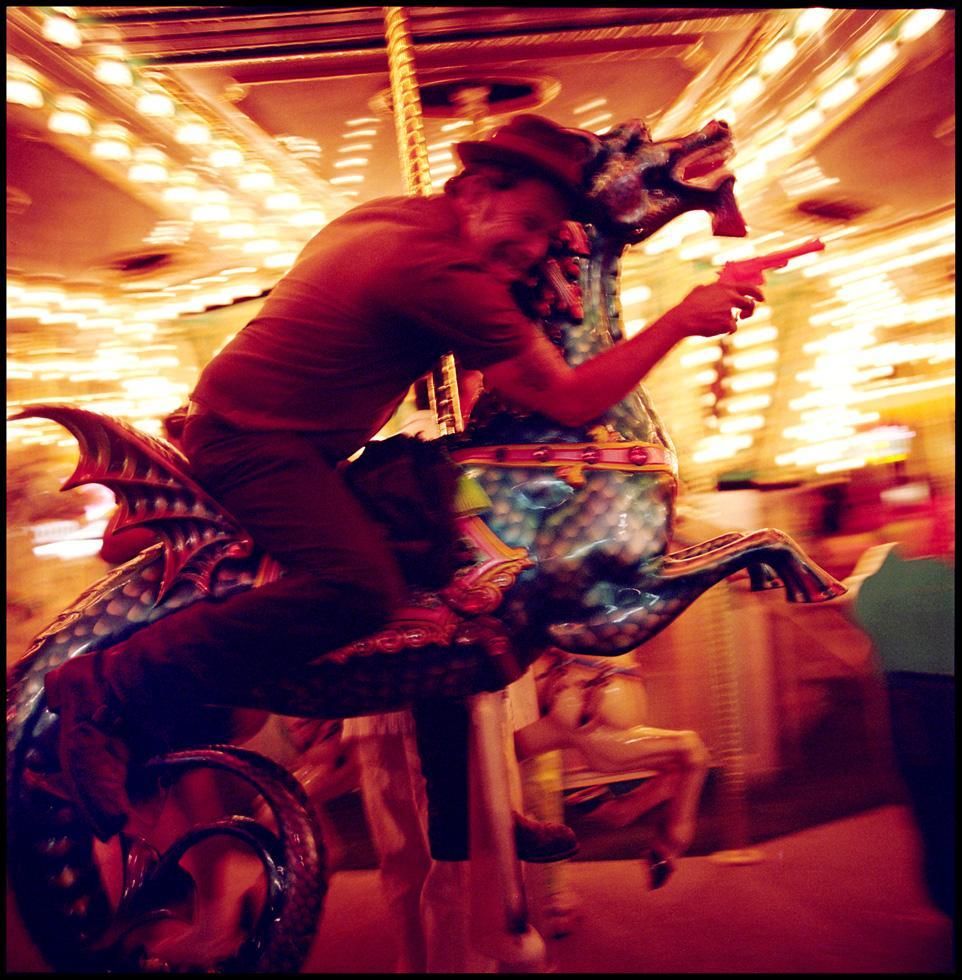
x: 752, y: 271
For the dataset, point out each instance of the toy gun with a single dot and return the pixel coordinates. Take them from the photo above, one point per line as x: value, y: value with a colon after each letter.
x: 752, y: 271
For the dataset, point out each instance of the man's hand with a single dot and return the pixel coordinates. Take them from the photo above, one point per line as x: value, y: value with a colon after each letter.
x: 539, y: 379
x: 709, y: 310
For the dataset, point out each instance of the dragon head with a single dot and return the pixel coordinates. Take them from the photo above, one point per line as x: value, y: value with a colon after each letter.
x: 636, y: 186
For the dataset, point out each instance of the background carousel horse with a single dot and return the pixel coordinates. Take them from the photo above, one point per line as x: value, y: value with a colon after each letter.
x: 570, y: 553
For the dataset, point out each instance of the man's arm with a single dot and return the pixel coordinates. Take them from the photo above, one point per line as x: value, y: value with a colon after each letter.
x: 539, y: 379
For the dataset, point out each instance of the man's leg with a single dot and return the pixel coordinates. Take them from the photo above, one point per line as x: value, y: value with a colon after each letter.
x: 340, y: 583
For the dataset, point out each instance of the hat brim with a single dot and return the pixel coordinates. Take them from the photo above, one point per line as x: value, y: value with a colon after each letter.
x: 472, y: 152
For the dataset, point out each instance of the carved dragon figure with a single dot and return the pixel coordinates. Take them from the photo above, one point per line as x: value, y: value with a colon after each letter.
x: 571, y: 554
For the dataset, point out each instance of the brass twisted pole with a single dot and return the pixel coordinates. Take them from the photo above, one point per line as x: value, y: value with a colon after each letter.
x: 412, y: 150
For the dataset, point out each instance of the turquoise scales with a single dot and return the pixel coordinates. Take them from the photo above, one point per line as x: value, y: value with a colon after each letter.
x: 573, y: 553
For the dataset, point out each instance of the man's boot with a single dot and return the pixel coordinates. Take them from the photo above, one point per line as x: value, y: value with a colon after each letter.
x: 540, y: 843
x: 93, y: 756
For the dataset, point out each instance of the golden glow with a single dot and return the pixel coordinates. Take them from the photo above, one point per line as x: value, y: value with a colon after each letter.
x: 812, y: 20
x: 867, y: 328
x: 919, y: 23
x: 588, y: 106
x: 225, y: 156
x: 881, y: 55
x: 112, y: 142
x: 149, y: 166
x: 751, y: 380
x: 111, y: 69
x: 283, y: 201
x: 156, y: 103
x: 210, y: 213
x: 635, y: 294
x: 61, y: 30
x: 741, y: 423
x: 752, y: 359
x: 777, y: 57
x: 748, y: 91
x: 311, y: 218
x: 71, y: 115
x: 701, y: 355
x: 256, y: 179
x: 751, y: 337
x: 23, y: 85
x: 841, y: 92
x: 715, y: 448
x: 183, y: 188
x: 747, y: 403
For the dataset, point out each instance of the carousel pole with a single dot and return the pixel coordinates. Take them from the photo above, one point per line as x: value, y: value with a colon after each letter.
x: 413, y: 154
x: 500, y: 930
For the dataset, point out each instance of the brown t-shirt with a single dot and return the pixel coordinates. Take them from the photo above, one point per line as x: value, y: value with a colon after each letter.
x: 372, y: 302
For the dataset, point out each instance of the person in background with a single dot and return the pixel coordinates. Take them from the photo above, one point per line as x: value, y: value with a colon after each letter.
x: 907, y: 607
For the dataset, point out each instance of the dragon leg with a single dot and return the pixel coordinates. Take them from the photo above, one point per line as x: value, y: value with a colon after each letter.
x: 762, y: 576
x: 667, y: 586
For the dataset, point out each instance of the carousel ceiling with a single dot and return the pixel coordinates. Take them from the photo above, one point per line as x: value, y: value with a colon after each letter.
x: 164, y: 161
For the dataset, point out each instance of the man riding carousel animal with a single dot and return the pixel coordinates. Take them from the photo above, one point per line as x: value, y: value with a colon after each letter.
x: 372, y: 302
x: 563, y: 435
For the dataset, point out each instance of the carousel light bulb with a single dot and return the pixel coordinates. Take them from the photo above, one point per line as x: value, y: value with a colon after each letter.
x: 61, y: 30
x: 210, y: 213
x: 70, y: 116
x: 805, y: 123
x: 840, y: 93
x: 776, y: 59
x: 312, y: 218
x: 112, y: 142
x: 149, y: 166
x: 194, y: 133
x: 748, y: 91
x: 812, y: 20
x: 284, y: 201
x: 595, y: 121
x: 183, y: 188
x: 779, y: 147
x: 880, y: 56
x: 23, y: 85
x: 918, y: 23
x: 237, y: 229
x: 280, y: 260
x: 262, y: 246
x: 156, y: 104
x: 226, y: 155
x: 111, y: 68
x: 256, y: 180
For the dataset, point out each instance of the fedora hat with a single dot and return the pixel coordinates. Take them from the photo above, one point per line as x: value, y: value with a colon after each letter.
x: 536, y: 144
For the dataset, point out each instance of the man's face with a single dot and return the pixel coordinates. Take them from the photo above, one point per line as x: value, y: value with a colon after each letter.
x: 512, y: 229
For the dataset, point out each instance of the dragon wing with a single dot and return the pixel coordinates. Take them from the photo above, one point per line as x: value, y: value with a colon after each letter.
x: 151, y: 482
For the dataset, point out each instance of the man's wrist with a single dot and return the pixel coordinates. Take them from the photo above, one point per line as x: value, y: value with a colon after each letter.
x: 671, y: 327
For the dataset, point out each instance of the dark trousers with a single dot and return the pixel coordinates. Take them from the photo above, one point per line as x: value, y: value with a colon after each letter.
x: 341, y: 582
x: 922, y: 711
